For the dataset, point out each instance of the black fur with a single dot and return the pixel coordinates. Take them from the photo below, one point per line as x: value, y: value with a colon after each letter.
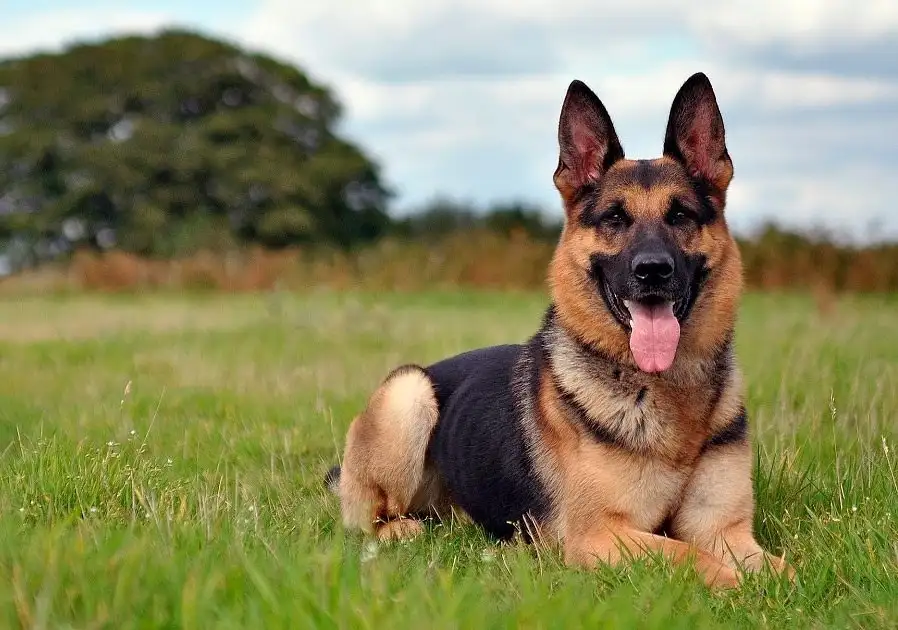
x: 720, y: 374
x: 694, y: 94
x: 480, y: 445
x: 641, y: 395
x: 647, y: 174
x: 588, y: 196
x: 708, y: 214
x: 735, y: 431
x: 611, y: 274
x: 596, y: 430
x: 581, y: 105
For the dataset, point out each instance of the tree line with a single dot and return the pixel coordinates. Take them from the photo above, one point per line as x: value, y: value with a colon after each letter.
x: 161, y: 146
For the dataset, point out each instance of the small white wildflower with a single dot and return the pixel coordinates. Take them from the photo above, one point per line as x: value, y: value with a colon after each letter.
x: 133, y: 432
x: 252, y: 508
x: 854, y: 508
x: 110, y: 443
x: 168, y: 462
x: 93, y: 510
x: 21, y: 509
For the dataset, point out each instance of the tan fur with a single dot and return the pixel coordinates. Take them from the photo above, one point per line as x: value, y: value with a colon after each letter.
x: 606, y: 492
x: 662, y: 471
x: 383, y: 475
x: 614, y: 543
x: 717, y: 508
x: 581, y: 308
x: 609, y: 497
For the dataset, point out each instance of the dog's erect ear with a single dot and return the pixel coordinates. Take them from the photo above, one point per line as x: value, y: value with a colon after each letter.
x: 696, y: 138
x: 587, y: 142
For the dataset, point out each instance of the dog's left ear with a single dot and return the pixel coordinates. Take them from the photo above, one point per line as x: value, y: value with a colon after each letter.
x: 695, y: 137
x: 587, y: 142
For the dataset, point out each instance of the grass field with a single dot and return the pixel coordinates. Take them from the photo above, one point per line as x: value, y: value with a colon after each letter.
x: 161, y: 461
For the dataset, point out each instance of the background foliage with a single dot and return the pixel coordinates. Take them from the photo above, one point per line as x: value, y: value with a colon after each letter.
x: 129, y: 160
x: 162, y: 145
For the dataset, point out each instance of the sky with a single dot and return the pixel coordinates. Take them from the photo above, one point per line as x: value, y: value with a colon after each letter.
x: 461, y: 98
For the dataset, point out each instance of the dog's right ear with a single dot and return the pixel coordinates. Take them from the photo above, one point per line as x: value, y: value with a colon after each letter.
x: 695, y: 137
x: 587, y: 142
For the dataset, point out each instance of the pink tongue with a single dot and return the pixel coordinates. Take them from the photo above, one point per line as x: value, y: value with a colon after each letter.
x: 655, y: 335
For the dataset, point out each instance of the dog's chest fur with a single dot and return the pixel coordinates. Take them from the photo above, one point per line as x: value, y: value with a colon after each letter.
x: 663, y: 417
x: 638, y: 436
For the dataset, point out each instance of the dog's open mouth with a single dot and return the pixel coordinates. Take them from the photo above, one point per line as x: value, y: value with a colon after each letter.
x: 653, y: 325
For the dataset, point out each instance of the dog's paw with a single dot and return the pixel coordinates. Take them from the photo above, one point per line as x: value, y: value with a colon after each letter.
x: 399, y: 529
x: 723, y: 579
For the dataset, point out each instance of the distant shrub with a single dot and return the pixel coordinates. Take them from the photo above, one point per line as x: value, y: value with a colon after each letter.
x: 475, y: 257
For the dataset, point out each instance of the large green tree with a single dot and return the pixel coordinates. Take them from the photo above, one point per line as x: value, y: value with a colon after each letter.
x: 168, y: 143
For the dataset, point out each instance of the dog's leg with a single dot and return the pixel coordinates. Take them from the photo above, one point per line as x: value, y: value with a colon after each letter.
x: 384, y: 476
x: 612, y: 544
x: 717, y: 510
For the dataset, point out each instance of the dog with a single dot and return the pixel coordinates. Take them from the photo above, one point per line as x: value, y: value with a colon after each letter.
x: 619, y: 428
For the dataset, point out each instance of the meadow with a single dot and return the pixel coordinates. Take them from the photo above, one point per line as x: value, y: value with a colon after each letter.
x: 162, y: 454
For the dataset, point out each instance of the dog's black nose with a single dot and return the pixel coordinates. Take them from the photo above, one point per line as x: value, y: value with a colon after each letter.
x: 653, y: 267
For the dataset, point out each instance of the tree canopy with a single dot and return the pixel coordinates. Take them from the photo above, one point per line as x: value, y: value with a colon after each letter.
x: 171, y: 142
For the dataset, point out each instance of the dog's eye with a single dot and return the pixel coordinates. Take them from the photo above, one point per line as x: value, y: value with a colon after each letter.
x: 679, y: 215
x: 615, y: 218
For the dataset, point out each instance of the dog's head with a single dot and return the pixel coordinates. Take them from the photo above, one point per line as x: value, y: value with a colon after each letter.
x: 646, y: 268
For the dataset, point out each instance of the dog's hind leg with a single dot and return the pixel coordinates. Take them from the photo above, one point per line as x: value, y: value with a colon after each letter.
x: 384, y: 477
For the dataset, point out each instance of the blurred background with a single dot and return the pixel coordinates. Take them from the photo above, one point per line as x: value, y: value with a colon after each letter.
x: 399, y: 144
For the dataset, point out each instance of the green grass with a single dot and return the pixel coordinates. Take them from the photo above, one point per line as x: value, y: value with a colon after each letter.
x: 193, y: 498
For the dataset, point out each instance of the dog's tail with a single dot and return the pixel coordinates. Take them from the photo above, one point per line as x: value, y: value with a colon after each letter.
x: 332, y: 480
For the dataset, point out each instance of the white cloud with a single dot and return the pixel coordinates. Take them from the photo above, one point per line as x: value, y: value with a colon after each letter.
x: 338, y: 34
x: 463, y: 96
x: 830, y: 203
x: 345, y: 45
x: 486, y: 135
x: 800, y: 22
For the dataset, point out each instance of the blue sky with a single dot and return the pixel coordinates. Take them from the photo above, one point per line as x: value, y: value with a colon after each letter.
x: 462, y: 97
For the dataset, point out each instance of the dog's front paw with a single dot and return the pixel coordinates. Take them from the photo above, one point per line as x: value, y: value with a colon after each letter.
x: 723, y: 579
x: 756, y: 562
x: 780, y: 566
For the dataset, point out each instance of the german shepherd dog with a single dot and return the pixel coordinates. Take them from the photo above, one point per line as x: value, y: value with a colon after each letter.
x: 618, y: 429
